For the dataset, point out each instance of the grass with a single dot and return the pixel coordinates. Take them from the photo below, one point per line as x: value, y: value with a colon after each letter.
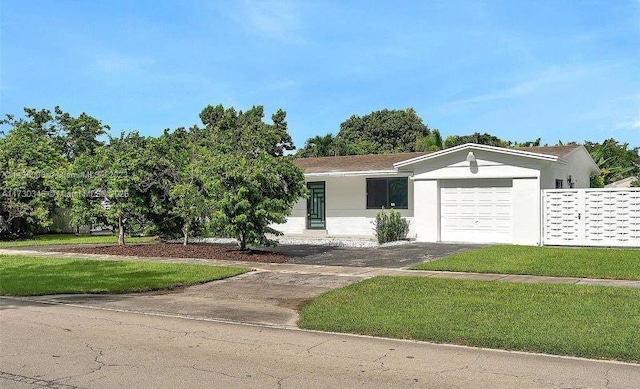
x: 29, y: 276
x: 544, y: 261
x: 586, y: 321
x: 63, y: 239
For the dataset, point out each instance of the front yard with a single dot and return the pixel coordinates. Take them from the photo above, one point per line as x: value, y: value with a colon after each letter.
x: 28, y: 276
x: 544, y: 261
x: 586, y: 321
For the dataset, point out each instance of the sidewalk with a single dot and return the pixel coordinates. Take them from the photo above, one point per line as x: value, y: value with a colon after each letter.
x: 347, y: 271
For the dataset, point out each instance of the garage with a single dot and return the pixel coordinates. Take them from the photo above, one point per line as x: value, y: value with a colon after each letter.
x: 479, y: 210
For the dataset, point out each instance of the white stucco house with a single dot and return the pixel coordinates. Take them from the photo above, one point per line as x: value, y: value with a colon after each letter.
x: 468, y: 193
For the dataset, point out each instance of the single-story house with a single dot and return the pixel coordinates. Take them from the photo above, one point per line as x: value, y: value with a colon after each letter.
x: 468, y: 193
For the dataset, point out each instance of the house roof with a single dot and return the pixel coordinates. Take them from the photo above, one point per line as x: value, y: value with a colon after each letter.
x: 546, y: 153
x: 389, y: 162
x: 354, y: 163
x: 558, y: 151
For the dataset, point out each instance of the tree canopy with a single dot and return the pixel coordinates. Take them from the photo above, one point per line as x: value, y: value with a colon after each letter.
x: 230, y: 177
x: 477, y: 138
x: 384, y: 131
x: 616, y: 161
x: 30, y: 169
x: 255, y: 185
x: 380, y: 132
x: 34, y: 155
x: 111, y: 186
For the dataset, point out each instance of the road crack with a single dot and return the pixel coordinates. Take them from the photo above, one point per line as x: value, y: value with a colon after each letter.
x: 607, y: 378
x: 317, y: 345
x: 35, y: 381
x: 96, y: 360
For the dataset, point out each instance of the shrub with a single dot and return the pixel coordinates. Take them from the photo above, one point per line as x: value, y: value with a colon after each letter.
x: 390, y: 227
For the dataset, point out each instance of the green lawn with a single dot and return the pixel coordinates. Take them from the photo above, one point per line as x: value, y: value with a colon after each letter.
x: 544, y: 261
x: 28, y: 276
x: 586, y: 321
x: 58, y: 239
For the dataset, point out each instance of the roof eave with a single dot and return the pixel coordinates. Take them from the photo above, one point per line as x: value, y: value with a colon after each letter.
x: 474, y: 146
x: 351, y: 173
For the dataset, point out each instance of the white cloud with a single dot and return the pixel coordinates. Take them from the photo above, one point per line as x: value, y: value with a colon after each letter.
x: 627, y: 125
x: 276, y: 19
x: 112, y: 62
x: 283, y: 84
x: 552, y: 75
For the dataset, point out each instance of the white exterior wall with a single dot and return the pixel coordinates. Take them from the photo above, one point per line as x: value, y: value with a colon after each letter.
x: 577, y: 166
x: 346, y: 208
x: 296, y: 222
x: 526, y: 211
x: 426, y: 218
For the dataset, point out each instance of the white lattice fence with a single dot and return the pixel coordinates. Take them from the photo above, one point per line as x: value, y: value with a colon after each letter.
x: 592, y: 217
x: 561, y: 217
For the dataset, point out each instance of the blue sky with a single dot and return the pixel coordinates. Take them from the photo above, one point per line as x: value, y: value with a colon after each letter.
x: 559, y: 70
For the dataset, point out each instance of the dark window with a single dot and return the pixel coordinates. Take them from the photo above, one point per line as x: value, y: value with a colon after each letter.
x: 387, y: 193
x: 559, y: 184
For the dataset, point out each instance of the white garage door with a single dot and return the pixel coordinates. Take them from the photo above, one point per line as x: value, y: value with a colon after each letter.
x: 476, y: 211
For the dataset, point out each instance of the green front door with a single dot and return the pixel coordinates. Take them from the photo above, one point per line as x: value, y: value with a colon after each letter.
x: 316, y: 206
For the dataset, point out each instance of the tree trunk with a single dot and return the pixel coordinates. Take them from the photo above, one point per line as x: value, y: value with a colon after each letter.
x: 243, y: 242
x: 185, y: 231
x: 120, y: 231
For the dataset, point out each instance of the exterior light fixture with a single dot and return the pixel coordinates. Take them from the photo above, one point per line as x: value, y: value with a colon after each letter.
x: 471, y: 157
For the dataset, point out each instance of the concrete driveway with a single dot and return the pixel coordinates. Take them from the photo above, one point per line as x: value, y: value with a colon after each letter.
x: 399, y: 256
x: 259, y: 297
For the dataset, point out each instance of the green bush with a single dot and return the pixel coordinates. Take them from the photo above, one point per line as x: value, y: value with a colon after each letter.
x: 390, y: 227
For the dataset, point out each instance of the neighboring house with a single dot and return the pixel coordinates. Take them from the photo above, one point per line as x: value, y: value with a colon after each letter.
x: 624, y: 183
x: 468, y: 193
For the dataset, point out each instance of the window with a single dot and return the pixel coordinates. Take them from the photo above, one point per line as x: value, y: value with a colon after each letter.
x: 559, y: 184
x: 387, y: 193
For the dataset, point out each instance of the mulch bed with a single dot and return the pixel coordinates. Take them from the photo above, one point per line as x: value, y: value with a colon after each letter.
x: 207, y: 251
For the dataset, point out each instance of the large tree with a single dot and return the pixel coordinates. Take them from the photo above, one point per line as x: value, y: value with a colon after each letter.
x: 383, y: 131
x: 41, y: 143
x: 252, y: 183
x: 31, y: 168
x: 179, y: 199
x: 112, y: 185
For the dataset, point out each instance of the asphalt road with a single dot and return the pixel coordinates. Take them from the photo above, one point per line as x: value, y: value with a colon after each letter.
x: 69, y: 346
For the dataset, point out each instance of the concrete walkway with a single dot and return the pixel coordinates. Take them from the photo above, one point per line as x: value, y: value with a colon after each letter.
x: 347, y: 271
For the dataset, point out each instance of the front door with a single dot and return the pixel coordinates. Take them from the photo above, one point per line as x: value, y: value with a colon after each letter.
x: 316, y: 206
